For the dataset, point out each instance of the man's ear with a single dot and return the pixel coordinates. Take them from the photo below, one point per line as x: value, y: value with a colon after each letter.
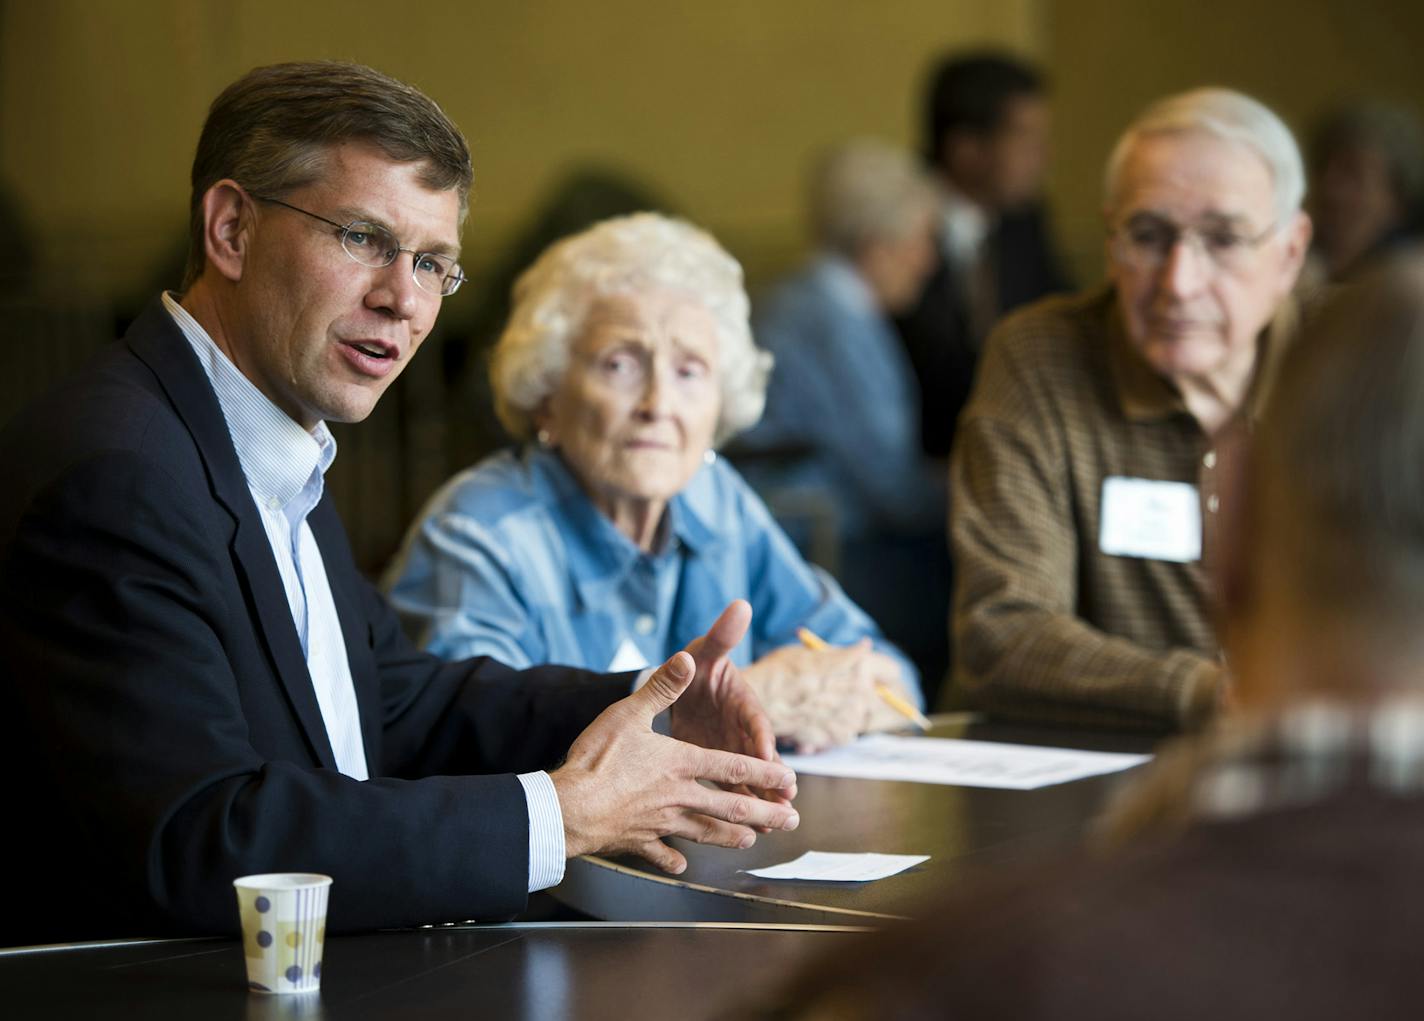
x: 227, y: 223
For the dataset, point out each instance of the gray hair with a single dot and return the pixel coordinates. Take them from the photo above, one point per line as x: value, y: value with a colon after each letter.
x: 865, y: 190
x: 1232, y: 117
x: 552, y: 298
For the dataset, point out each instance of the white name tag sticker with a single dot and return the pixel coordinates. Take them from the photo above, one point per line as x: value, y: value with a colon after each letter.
x: 1150, y: 519
x: 627, y: 657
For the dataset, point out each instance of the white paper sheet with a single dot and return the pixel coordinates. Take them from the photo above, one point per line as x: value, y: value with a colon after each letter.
x: 837, y: 867
x: 963, y: 763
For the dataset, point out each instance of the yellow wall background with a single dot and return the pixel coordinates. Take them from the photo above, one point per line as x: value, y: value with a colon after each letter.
x: 1109, y: 58
x: 716, y: 105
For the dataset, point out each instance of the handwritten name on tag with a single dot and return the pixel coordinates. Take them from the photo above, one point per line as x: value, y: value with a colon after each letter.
x: 1150, y: 519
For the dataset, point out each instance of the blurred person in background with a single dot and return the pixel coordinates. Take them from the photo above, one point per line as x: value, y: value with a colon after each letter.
x: 1088, y: 468
x: 617, y: 532
x: 985, y: 141
x: 1270, y: 869
x: 843, y: 398
x: 1367, y: 185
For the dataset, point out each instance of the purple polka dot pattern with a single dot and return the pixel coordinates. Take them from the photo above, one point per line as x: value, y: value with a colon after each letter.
x: 283, y: 925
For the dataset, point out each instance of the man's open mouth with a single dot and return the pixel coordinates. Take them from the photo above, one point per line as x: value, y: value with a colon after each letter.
x: 373, y: 349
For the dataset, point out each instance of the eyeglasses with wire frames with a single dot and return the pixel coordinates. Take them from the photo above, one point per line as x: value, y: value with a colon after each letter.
x: 1145, y: 241
x: 372, y: 245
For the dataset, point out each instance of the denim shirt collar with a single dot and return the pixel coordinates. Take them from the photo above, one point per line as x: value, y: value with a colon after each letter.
x: 600, y: 556
x: 848, y: 286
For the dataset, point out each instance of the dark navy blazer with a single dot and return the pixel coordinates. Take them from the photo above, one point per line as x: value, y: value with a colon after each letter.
x: 158, y: 726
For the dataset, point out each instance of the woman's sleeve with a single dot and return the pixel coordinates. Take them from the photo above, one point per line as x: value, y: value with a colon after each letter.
x: 788, y: 593
x: 459, y: 593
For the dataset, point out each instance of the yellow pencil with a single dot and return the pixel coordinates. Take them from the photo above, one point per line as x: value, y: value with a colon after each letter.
x: 812, y: 640
x: 892, y: 697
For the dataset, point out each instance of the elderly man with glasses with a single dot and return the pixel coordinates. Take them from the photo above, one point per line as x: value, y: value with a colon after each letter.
x: 1088, y: 471
x: 197, y: 684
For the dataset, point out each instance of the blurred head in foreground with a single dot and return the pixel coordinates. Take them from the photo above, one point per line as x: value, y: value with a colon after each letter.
x: 1328, y: 587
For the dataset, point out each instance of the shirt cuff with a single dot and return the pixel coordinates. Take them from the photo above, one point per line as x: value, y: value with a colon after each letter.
x: 546, y: 831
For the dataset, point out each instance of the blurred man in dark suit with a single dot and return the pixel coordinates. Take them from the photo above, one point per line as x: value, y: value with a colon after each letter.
x: 986, y: 140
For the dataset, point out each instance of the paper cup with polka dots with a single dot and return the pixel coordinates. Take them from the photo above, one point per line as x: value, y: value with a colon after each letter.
x: 283, y: 929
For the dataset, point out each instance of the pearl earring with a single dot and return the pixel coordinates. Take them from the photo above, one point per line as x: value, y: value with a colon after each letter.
x: 545, y: 440
x: 709, y: 456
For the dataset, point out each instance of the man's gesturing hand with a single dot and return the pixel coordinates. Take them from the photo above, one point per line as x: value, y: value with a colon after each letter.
x: 623, y: 788
x: 719, y: 710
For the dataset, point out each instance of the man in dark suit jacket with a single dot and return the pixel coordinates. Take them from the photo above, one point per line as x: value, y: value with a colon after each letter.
x: 196, y: 683
x: 985, y: 140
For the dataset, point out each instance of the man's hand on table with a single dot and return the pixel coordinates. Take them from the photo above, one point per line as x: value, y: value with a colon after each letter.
x: 623, y: 788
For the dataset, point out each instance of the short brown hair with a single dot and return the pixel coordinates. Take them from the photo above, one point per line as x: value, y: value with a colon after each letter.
x: 270, y: 130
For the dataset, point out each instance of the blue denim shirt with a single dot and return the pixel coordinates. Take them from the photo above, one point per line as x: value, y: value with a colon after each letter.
x: 511, y: 560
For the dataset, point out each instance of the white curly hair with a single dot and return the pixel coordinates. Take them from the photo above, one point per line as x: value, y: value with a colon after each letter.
x: 552, y: 298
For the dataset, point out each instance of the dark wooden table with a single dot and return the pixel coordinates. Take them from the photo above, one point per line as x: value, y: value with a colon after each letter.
x: 961, y: 828
x: 542, y: 972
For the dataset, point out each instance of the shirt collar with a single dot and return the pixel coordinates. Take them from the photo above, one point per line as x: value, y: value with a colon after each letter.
x: 600, y: 556
x: 1145, y: 396
x: 845, y: 284
x: 279, y: 458
x: 1312, y: 750
x: 964, y: 225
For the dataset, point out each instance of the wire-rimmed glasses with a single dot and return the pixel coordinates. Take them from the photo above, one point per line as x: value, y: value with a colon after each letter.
x: 372, y: 245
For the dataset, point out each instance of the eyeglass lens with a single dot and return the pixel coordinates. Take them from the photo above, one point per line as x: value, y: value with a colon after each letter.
x: 372, y: 245
x: 1149, y: 240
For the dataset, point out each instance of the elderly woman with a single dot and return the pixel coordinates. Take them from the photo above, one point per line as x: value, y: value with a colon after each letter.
x: 617, y: 535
